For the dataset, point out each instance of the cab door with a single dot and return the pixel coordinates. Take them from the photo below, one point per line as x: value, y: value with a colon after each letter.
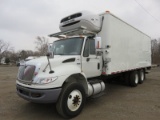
x: 90, y: 62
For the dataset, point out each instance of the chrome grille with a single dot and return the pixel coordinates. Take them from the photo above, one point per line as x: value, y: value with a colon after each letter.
x: 26, y: 73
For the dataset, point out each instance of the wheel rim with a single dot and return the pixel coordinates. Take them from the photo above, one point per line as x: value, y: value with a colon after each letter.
x: 142, y: 76
x: 74, y: 100
x: 136, y: 79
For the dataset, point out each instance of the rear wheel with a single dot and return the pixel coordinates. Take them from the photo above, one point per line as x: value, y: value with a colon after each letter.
x: 141, y: 75
x: 71, y: 101
x: 126, y: 78
x: 133, y: 78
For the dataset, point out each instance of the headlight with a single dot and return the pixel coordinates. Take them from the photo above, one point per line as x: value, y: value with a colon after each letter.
x: 46, y: 80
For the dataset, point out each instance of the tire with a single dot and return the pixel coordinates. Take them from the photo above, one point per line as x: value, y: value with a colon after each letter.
x: 126, y: 78
x: 71, y: 100
x: 141, y: 75
x: 133, y: 79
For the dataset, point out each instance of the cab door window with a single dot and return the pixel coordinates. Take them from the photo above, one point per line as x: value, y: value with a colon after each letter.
x: 89, y: 48
x: 92, y: 47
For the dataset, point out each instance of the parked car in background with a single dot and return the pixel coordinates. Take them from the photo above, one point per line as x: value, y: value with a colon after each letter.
x: 18, y: 63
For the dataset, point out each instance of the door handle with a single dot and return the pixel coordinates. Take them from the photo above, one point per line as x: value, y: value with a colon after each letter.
x: 88, y: 59
x: 98, y: 66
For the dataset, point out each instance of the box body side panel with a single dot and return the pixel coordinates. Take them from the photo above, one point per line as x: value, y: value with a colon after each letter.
x: 128, y: 49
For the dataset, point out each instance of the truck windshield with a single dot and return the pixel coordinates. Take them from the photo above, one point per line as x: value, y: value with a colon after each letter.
x: 69, y: 46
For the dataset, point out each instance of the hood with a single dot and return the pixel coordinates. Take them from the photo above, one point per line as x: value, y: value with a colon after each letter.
x: 38, y: 68
x: 56, y: 61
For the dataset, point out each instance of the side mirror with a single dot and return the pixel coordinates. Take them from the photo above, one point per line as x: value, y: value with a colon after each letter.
x: 98, y: 42
x: 49, y: 47
x: 50, y: 55
x: 98, y: 46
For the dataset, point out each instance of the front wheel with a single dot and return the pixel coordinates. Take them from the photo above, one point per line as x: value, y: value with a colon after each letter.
x: 71, y: 101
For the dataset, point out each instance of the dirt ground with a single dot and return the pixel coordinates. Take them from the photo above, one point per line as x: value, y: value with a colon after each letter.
x: 119, y: 102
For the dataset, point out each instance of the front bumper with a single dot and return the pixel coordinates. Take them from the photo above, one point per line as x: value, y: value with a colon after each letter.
x: 39, y: 95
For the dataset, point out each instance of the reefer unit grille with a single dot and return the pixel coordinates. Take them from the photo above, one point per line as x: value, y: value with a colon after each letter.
x: 71, y: 17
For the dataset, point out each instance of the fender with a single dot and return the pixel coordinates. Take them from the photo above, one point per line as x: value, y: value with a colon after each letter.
x: 66, y: 71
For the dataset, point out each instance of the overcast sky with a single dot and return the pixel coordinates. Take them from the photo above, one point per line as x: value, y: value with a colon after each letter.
x: 21, y: 21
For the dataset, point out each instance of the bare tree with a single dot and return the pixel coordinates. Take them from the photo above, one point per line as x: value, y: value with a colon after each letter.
x: 4, y: 48
x: 14, y: 56
x: 155, y: 51
x: 41, y: 45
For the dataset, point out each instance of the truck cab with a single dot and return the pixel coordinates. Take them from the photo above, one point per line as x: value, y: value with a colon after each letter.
x: 66, y: 74
x: 84, y: 49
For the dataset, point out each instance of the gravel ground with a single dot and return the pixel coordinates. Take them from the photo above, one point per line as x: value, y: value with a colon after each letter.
x: 119, y: 102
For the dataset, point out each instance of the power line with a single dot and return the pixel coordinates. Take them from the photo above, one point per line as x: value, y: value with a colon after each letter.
x: 146, y: 11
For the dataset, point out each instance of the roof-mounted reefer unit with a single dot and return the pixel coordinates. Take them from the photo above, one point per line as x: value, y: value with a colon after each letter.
x: 85, y: 19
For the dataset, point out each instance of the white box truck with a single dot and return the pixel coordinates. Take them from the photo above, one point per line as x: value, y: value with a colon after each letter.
x: 89, y: 48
